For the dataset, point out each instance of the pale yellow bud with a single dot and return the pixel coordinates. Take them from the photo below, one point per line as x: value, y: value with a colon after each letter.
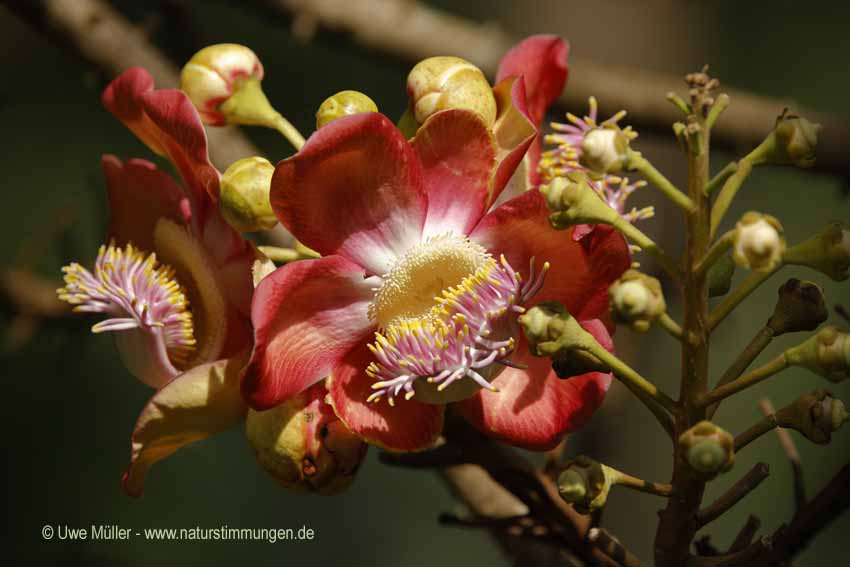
x: 604, y: 150
x: 758, y: 242
x: 211, y: 76
x: 441, y: 83
x: 244, y: 200
x: 343, y: 103
x: 637, y: 299
x: 827, y: 353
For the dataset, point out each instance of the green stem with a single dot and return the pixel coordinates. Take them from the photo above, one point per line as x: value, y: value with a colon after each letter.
x: 720, y: 104
x: 734, y: 181
x: 671, y: 326
x: 655, y: 177
x: 752, y: 378
x: 768, y: 423
x: 647, y: 244
x: 629, y: 481
x: 289, y: 131
x: 747, y: 356
x: 720, y: 178
x: 717, y: 250
x: 737, y: 295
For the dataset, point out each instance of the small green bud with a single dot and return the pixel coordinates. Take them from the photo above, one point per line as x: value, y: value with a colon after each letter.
x: 827, y: 353
x: 708, y: 449
x: 816, y: 416
x: 586, y: 483
x: 637, y: 300
x: 758, y: 243
x: 244, y: 200
x: 343, y: 103
x: 551, y: 330
x: 795, y: 141
x: 720, y: 276
x: 572, y: 486
x: 572, y: 201
x: 827, y: 252
x: 801, y: 307
x: 604, y: 150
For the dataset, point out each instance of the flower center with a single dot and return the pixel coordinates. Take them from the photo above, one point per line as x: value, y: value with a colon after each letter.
x: 409, y: 288
x: 138, y: 293
x: 463, y: 330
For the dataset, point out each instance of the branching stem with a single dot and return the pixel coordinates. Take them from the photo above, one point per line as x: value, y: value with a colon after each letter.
x: 749, y: 285
x: 656, y: 178
x: 752, y: 378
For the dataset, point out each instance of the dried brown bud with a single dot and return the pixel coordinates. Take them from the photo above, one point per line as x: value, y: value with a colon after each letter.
x: 801, y: 307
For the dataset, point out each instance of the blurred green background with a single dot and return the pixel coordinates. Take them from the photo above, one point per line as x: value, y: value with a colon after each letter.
x: 70, y: 406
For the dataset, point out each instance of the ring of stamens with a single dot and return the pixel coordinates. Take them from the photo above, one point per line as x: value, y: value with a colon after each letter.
x: 137, y: 292
x: 455, y: 340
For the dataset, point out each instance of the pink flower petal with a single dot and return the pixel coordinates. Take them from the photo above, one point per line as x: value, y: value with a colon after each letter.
x: 534, y: 408
x: 306, y: 315
x: 581, y: 272
x: 199, y: 403
x: 457, y: 153
x: 167, y: 122
x: 355, y: 189
x: 139, y: 195
x: 542, y: 62
x: 407, y: 426
x: 514, y: 131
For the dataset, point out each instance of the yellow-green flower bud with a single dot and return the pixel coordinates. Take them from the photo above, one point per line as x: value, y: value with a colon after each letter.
x: 244, y: 200
x: 637, y: 300
x: 708, y: 449
x: 214, y: 73
x: 586, y: 483
x: 758, y: 243
x: 827, y: 252
x: 441, y: 83
x: 795, y: 141
x: 550, y: 329
x: 604, y: 150
x: 303, y: 445
x: 827, y: 353
x: 343, y: 103
x: 572, y: 201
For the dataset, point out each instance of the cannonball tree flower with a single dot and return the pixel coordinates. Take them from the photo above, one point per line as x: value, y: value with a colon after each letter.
x: 414, y: 302
x: 174, y: 282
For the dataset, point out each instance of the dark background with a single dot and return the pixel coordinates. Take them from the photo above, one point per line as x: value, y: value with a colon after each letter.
x: 69, y: 406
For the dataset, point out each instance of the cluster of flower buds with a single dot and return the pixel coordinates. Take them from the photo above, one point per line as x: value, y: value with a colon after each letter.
x: 757, y: 242
x: 708, y: 449
x: 827, y: 354
x: 341, y: 104
x: 572, y: 201
x: 586, y: 483
x: 816, y: 416
x: 303, y: 445
x: 827, y: 252
x: 440, y: 83
x: 637, y: 300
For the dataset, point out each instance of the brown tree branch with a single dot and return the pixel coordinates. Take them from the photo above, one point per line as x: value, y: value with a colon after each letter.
x: 413, y: 31
x: 735, y: 494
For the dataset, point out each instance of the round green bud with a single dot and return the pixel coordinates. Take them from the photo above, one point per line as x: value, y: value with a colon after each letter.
x: 244, y: 199
x: 706, y: 456
x: 572, y: 486
x: 707, y: 448
x: 343, y: 103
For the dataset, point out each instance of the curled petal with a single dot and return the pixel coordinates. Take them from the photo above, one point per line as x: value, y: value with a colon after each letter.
x: 139, y: 195
x: 541, y: 60
x: 457, y: 153
x: 534, y: 409
x: 197, y: 404
x: 355, y: 189
x: 515, y: 131
x: 580, y: 273
x: 167, y: 122
x: 407, y: 426
x: 306, y: 315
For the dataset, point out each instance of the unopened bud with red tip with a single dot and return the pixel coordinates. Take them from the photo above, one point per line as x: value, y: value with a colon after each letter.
x: 303, y: 445
x: 244, y: 199
x: 708, y: 449
x: 441, y: 83
x: 827, y: 353
x: 586, y: 483
x: 758, y: 243
x: 605, y: 150
x: 827, y: 252
x: 572, y: 201
x: 214, y: 74
x: 637, y: 300
x: 341, y: 104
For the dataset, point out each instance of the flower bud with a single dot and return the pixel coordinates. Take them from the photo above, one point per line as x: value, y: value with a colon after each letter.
x: 708, y: 449
x: 586, y: 483
x: 441, y: 83
x: 637, y: 300
x: 343, y: 103
x: 758, y: 243
x: 550, y: 330
x: 213, y: 74
x: 720, y: 276
x: 604, y: 150
x: 244, y: 199
x: 827, y: 353
x: 572, y: 201
x: 795, y: 140
x: 827, y: 252
x: 816, y: 416
x: 303, y: 445
x: 801, y: 307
